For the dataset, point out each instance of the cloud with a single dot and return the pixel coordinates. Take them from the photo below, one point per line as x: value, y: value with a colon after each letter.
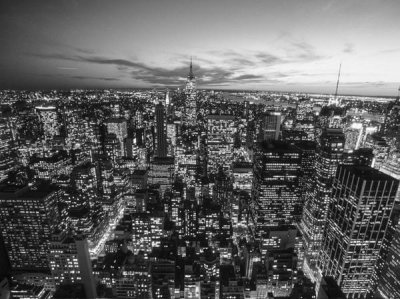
x: 348, y: 48
x: 248, y: 77
x: 269, y: 59
x: 93, y: 78
x: 304, y: 52
x: 393, y: 50
x: 218, y: 67
x: 66, y: 68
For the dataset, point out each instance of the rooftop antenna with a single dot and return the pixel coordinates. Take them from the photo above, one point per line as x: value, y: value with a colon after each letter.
x: 337, y: 83
x: 191, y: 76
x: 398, y: 93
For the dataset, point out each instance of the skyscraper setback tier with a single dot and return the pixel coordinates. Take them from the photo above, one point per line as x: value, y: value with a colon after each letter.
x: 358, y: 216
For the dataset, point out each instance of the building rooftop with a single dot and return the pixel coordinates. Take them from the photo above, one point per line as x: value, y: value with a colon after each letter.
x: 220, y: 117
x: 367, y: 172
x: 13, y: 191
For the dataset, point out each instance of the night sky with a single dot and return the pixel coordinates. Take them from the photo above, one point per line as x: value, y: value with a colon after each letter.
x: 266, y: 45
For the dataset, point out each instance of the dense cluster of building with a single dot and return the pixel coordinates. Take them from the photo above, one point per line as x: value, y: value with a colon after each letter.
x: 198, y: 194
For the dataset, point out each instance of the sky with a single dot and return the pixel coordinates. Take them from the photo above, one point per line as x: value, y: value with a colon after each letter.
x: 254, y: 44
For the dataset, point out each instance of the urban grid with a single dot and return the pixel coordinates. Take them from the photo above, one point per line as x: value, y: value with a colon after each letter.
x: 187, y: 192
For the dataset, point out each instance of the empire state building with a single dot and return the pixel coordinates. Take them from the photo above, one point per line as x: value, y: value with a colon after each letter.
x: 190, y: 91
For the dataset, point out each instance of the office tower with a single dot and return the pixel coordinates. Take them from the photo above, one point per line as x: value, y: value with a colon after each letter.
x: 147, y: 230
x: 389, y: 280
x: 362, y: 200
x: 134, y: 280
x: 282, y: 271
x: 276, y: 191
x: 163, y: 278
x: 27, y: 219
x: 271, y: 126
x: 308, y: 152
x: 220, y: 136
x: 49, y: 118
x: 113, y: 149
x: 6, y: 160
x: 192, y: 282
x: 161, y: 146
x: 328, y: 156
x: 190, y: 92
x: 167, y: 98
x: 70, y: 262
x: 85, y: 266
x: 118, y: 127
x: 361, y: 156
x: 51, y: 167
x: 379, y: 147
x: 392, y: 119
x: 389, y: 267
x: 171, y: 137
x: 161, y: 172
x: 242, y: 176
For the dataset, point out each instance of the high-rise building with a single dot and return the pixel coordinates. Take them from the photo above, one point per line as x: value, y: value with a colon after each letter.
x: 389, y: 282
x: 220, y: 139
x: 118, y: 126
x: 161, y: 172
x: 388, y: 273
x: 6, y: 160
x: 27, y: 219
x: 329, y: 154
x: 242, y: 176
x: 161, y: 146
x: 49, y: 118
x: 358, y: 216
x: 276, y: 191
x: 70, y: 262
x: 271, y: 126
x: 190, y: 91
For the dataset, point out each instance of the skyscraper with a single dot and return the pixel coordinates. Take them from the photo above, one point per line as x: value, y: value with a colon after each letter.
x: 190, y: 91
x: 220, y: 139
x: 361, y: 204
x: 161, y: 149
x: 27, y: 219
x: 389, y: 267
x: 271, y: 126
x: 389, y: 284
x: 6, y: 161
x: 329, y: 154
x: 49, y: 118
x: 276, y: 191
x: 118, y: 127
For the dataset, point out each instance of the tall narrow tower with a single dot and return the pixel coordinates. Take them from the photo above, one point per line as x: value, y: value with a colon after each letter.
x: 335, y: 100
x: 190, y: 91
x: 161, y: 133
x: 328, y: 156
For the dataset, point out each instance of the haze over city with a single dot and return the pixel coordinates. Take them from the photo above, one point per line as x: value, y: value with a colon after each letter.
x: 263, y: 45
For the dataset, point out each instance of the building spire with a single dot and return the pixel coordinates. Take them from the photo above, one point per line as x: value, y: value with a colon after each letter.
x: 191, y: 76
x: 337, y: 83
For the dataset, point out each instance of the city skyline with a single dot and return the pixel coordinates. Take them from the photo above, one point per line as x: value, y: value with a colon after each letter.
x: 264, y: 45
